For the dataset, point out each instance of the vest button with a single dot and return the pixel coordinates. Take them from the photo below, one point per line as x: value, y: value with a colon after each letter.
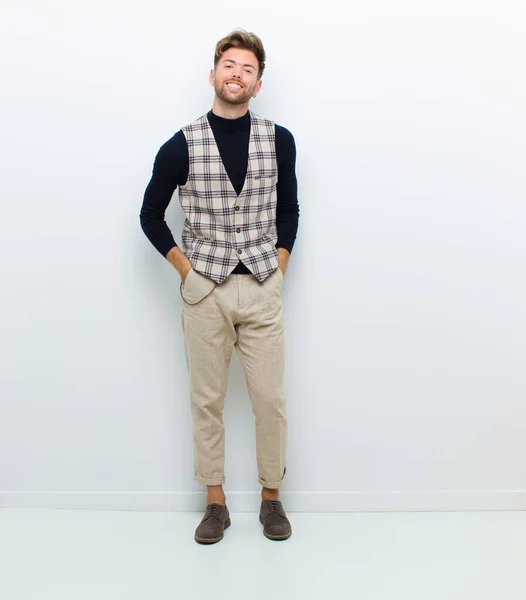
x: 238, y: 230
x: 239, y: 251
x: 237, y: 207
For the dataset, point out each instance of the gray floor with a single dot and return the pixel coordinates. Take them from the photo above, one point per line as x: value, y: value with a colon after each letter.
x: 81, y: 555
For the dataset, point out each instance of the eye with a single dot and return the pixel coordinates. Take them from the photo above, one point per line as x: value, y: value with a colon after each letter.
x: 248, y: 71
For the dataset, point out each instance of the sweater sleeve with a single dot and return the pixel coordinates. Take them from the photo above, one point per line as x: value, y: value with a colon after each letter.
x: 170, y: 169
x: 287, y: 211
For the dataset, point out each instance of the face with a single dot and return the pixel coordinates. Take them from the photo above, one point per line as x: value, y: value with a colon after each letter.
x: 239, y: 66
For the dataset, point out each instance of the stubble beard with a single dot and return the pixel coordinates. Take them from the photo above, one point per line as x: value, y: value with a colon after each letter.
x: 241, y: 98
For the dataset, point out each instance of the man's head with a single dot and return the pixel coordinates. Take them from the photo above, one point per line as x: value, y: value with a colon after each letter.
x: 240, y: 58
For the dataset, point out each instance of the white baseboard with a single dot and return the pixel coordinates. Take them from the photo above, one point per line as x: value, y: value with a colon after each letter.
x: 327, y: 501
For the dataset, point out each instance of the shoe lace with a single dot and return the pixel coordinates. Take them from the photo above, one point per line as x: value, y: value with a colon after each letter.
x: 273, y: 506
x: 214, y: 510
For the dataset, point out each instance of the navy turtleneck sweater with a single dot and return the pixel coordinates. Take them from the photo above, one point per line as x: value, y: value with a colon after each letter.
x: 170, y: 169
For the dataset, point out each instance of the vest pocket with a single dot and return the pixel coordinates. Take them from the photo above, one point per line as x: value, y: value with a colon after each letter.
x: 264, y: 179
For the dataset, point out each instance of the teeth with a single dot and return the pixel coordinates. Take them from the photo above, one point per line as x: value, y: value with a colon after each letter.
x: 234, y: 85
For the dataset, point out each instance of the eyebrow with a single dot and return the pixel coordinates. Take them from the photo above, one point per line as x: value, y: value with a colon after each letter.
x: 245, y: 65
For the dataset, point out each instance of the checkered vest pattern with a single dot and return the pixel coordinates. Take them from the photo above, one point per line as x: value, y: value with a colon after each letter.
x: 222, y: 228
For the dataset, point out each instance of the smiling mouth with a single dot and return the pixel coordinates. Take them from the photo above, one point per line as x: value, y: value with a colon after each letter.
x: 233, y: 86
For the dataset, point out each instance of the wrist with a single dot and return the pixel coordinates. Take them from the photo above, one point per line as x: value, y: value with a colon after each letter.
x: 178, y: 259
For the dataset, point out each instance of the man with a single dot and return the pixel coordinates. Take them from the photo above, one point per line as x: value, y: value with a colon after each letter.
x: 237, y: 187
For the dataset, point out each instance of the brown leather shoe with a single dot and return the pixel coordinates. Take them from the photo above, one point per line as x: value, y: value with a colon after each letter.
x: 276, y: 526
x: 213, y: 524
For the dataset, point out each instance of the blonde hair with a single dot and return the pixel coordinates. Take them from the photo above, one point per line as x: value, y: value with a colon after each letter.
x: 240, y: 38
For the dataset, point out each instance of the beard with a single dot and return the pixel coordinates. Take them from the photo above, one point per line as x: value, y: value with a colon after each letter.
x: 241, y: 97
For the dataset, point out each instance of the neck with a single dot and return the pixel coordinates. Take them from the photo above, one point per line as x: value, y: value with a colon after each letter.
x: 229, y: 111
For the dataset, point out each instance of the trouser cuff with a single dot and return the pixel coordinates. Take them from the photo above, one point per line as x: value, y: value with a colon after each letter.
x: 209, y: 481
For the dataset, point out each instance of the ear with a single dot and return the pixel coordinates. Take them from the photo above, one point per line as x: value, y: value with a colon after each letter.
x: 211, y: 77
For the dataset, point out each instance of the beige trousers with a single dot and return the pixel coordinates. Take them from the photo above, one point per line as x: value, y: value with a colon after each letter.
x: 244, y: 314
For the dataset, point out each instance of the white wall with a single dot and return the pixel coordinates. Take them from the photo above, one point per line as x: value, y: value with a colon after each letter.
x: 405, y: 300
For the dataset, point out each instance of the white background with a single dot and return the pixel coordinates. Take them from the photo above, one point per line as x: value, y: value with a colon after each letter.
x: 405, y: 299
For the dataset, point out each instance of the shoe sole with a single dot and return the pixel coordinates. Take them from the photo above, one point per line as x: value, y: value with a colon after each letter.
x: 274, y: 537
x: 212, y: 540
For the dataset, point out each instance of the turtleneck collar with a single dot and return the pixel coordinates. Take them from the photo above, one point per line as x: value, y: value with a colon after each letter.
x: 229, y: 125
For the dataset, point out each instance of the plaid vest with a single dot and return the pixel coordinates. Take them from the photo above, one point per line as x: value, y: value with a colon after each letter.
x: 222, y: 228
